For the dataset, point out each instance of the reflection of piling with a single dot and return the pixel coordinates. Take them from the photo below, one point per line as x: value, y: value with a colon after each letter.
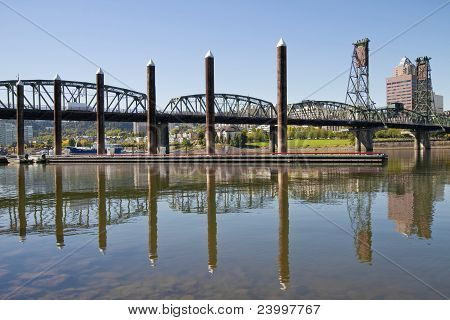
x: 212, y: 221
x: 153, y: 185
x: 20, y: 124
x: 101, y: 185
x: 21, y: 195
x: 283, y: 229
x: 57, y: 116
x: 151, y: 109
x: 210, y: 113
x: 100, y: 77
x: 282, y: 95
x: 59, y: 225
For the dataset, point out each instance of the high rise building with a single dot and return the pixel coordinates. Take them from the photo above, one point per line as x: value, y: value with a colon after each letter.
x: 28, y: 134
x: 400, y: 88
x: 438, y: 103
x: 140, y: 128
x: 7, y: 133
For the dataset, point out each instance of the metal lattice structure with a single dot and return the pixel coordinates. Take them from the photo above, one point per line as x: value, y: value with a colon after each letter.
x: 326, y: 110
x: 79, y: 95
x: 423, y: 99
x: 337, y: 111
x: 127, y: 105
x: 359, y: 207
x: 358, y: 81
x: 231, y: 105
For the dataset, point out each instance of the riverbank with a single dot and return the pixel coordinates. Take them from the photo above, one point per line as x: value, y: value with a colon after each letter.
x: 347, y: 145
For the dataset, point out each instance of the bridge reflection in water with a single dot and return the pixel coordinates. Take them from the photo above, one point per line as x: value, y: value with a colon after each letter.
x: 58, y: 204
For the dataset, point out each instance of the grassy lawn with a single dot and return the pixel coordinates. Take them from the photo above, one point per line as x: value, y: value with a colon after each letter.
x: 319, y: 143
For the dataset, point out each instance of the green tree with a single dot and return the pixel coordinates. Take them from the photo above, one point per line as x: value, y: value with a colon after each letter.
x: 186, y: 143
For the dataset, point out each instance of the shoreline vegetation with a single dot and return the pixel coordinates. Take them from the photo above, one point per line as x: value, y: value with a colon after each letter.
x: 231, y: 138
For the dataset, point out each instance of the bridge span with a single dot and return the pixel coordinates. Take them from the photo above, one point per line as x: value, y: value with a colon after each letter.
x: 60, y: 100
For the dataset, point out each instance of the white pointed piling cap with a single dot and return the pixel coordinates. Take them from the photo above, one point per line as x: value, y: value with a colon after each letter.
x: 150, y: 63
x: 57, y: 77
x: 19, y: 83
x: 99, y: 71
x: 209, y: 54
x: 281, y: 43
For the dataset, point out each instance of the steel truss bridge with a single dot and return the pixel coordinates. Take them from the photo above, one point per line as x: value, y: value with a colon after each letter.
x: 123, y: 105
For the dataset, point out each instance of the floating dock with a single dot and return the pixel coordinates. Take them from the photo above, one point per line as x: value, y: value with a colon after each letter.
x: 226, y: 158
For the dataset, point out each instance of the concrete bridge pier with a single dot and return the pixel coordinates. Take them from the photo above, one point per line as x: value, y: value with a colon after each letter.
x: 57, y: 116
x: 210, y: 112
x: 20, y: 123
x: 163, y: 137
x: 100, y: 77
x: 273, y: 138
x: 421, y: 140
x: 363, y: 139
x: 282, y: 96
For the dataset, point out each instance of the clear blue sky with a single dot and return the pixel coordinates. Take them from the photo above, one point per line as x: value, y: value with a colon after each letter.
x: 121, y: 36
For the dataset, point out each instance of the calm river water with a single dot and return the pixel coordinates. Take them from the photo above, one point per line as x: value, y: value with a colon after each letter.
x: 139, y: 231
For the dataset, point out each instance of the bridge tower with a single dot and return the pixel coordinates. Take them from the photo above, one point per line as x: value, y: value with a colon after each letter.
x: 358, y: 80
x: 358, y: 93
x: 423, y: 100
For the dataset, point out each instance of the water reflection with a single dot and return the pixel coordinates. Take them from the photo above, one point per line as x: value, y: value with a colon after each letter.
x: 78, y: 199
x: 153, y: 185
x: 102, y: 219
x: 359, y: 207
x: 59, y: 225
x: 283, y: 228
x: 21, y: 195
x: 411, y: 197
x: 212, y: 222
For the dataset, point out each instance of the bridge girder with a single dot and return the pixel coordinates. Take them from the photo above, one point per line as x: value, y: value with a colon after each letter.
x: 128, y: 105
x: 225, y: 105
x: 336, y: 111
x: 39, y: 96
